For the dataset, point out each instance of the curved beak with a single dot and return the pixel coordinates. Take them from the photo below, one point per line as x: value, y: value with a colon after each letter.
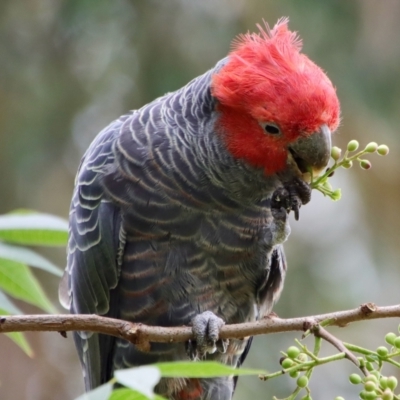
x: 312, y: 152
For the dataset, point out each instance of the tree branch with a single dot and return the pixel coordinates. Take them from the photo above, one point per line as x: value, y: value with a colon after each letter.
x: 142, y: 335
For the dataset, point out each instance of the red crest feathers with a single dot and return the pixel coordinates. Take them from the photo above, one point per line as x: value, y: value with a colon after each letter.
x: 266, y: 78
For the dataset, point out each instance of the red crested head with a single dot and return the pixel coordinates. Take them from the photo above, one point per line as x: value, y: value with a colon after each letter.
x: 269, y: 96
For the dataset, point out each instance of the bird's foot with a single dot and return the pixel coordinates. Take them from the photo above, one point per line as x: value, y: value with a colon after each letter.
x: 290, y: 197
x: 206, y: 327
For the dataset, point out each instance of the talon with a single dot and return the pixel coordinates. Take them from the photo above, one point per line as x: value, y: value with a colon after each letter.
x: 206, y: 327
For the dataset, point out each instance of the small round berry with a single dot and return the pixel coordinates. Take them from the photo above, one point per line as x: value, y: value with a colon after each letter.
x: 382, y: 351
x: 302, y: 357
x: 383, y: 382
x: 397, y: 342
x: 287, y: 363
x: 371, y: 147
x: 387, y: 395
x: 336, y: 195
x: 352, y: 145
x: 392, y: 382
x: 302, y: 381
x: 293, y: 352
x: 369, y: 366
x: 355, y: 379
x: 365, y: 164
x: 371, y: 378
x: 306, y: 397
x: 347, y: 164
x: 383, y: 150
x: 336, y: 153
x: 294, y: 374
x: 370, y: 386
x: 368, y: 395
x: 377, y: 375
x: 390, y: 338
x: 339, y: 398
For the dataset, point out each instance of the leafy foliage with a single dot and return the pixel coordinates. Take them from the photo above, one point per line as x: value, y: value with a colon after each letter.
x: 16, y: 278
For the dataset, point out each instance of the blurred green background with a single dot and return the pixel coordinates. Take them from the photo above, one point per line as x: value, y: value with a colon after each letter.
x: 68, y: 68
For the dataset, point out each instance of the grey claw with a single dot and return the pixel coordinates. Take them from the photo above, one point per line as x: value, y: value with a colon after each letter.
x: 206, y: 327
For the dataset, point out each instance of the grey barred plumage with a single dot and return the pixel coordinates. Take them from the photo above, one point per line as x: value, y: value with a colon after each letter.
x: 158, y: 185
x: 168, y: 227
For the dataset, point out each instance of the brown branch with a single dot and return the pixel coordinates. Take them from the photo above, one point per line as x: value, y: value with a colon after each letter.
x: 142, y: 335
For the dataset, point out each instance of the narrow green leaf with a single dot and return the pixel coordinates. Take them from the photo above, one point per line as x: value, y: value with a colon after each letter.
x: 17, y: 280
x: 17, y: 337
x: 34, y: 229
x: 100, y: 393
x: 129, y: 394
x: 201, y: 369
x: 140, y: 379
x: 29, y: 257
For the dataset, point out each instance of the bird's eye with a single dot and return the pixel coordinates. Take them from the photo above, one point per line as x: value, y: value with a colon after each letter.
x: 271, y: 128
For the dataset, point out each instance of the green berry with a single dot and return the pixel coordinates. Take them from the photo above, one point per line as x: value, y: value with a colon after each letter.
x: 397, y: 342
x: 294, y: 374
x: 365, y: 164
x: 387, y: 395
x: 293, y: 352
x: 371, y: 378
x: 302, y: 381
x: 336, y: 153
x: 368, y: 395
x: 377, y: 375
x: 339, y: 398
x: 355, y: 379
x: 287, y: 363
x: 383, y: 150
x: 382, y: 351
x: 390, y: 338
x: 336, y: 195
x: 306, y: 397
x: 383, y: 382
x: 392, y: 382
x: 369, y: 366
x: 361, y: 360
x: 352, y: 145
x: 370, y: 386
x: 327, y: 185
x: 302, y: 357
x: 347, y: 164
x: 371, y: 147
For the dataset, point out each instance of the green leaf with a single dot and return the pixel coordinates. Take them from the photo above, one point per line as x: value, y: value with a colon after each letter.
x: 17, y: 280
x: 140, y: 379
x: 201, y: 369
x: 100, y: 393
x: 34, y: 229
x: 7, y: 308
x: 29, y: 257
x: 129, y: 394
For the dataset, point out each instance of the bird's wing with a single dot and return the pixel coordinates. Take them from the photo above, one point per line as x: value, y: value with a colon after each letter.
x: 96, y: 241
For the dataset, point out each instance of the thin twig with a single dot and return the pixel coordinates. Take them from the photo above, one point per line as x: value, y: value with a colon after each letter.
x: 142, y: 335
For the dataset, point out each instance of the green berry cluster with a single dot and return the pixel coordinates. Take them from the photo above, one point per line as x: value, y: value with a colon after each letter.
x: 294, y: 357
x: 322, y: 184
x: 375, y: 386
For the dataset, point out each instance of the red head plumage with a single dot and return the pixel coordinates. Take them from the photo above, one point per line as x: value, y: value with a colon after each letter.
x: 267, y: 79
